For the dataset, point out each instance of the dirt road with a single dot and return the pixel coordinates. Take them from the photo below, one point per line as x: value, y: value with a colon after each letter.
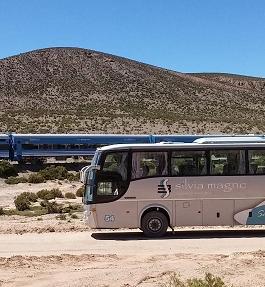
x: 129, y: 259
x: 132, y: 243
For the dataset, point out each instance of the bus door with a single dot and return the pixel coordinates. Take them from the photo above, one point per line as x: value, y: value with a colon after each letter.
x: 112, y: 184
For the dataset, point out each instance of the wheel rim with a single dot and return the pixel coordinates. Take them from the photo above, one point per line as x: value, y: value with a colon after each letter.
x: 154, y: 225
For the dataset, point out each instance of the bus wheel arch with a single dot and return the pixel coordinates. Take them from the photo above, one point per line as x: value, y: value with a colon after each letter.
x: 155, y: 221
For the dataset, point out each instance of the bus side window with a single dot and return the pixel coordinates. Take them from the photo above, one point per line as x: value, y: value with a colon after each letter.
x: 188, y: 163
x: 227, y: 162
x: 147, y: 164
x: 117, y: 162
x: 256, y: 159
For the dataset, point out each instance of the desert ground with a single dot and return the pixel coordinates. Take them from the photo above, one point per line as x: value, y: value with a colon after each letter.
x: 47, y: 251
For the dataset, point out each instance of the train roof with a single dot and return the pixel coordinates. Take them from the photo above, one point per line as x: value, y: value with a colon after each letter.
x: 76, y: 135
x: 4, y: 137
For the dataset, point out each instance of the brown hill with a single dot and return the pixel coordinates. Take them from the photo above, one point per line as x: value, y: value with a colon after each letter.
x: 78, y: 90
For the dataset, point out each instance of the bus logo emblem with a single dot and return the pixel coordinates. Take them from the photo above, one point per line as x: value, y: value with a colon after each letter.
x: 164, y: 188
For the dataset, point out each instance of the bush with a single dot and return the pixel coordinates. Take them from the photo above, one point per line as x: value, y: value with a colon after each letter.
x: 54, y: 172
x: 73, y: 177
x: 45, y: 194
x: 74, y: 216
x: 80, y: 192
x: 2, y: 212
x: 57, y: 192
x: 15, y: 180
x: 208, y: 281
x: 61, y: 217
x: 52, y: 207
x: 50, y: 194
x: 7, y: 169
x: 70, y: 195
x: 32, y: 197
x: 36, y: 178
x: 22, y: 203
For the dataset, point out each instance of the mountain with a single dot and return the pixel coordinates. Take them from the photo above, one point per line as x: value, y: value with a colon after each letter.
x: 78, y: 90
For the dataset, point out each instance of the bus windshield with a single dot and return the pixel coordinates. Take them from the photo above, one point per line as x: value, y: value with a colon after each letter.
x: 109, y: 182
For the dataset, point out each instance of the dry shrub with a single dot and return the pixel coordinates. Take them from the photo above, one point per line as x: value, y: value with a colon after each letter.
x: 80, y: 192
x: 16, y: 180
x: 36, y: 178
x: 7, y: 169
x: 70, y: 195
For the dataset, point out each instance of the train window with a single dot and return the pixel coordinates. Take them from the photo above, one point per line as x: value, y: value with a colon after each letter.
x: 59, y: 146
x: 45, y: 146
x: 30, y: 146
x: 4, y: 146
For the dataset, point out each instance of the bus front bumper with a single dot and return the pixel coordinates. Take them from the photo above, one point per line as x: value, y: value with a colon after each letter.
x: 90, y: 216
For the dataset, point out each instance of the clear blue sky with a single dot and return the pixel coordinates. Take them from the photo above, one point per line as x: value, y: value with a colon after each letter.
x: 182, y: 35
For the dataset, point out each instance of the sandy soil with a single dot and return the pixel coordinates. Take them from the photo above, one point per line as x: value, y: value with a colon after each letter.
x: 9, y: 191
x: 44, y: 251
x: 127, y: 259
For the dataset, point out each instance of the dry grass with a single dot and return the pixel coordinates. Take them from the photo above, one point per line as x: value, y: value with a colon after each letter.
x: 76, y: 90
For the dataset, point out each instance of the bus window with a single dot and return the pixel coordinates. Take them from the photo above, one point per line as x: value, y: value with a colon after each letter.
x: 227, y: 162
x: 112, y: 178
x: 188, y: 163
x: 256, y: 160
x: 116, y: 162
x: 146, y: 164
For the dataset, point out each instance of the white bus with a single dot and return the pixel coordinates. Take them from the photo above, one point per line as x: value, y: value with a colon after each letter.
x: 211, y: 182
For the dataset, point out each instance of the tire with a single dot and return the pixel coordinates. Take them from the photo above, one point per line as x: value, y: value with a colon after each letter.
x: 154, y: 224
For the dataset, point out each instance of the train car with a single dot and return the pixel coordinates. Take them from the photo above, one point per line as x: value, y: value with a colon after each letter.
x: 66, y: 145
x: 37, y: 146
x: 4, y: 146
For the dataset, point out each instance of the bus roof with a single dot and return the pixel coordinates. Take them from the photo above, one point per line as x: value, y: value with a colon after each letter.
x: 181, y: 145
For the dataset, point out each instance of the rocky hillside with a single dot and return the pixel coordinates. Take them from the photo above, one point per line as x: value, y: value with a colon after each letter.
x: 78, y: 90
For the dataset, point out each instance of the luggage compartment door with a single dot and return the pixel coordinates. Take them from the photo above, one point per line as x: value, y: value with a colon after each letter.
x: 218, y: 212
x: 188, y: 212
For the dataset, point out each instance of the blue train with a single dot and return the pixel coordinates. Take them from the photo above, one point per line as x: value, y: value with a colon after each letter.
x: 25, y: 146
x: 19, y: 147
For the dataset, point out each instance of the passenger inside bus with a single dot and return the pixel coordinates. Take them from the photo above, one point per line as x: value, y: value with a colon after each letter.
x: 145, y: 170
x: 187, y: 168
x: 232, y: 164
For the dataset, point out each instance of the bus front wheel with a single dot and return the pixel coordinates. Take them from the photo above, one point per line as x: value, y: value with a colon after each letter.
x: 154, y: 224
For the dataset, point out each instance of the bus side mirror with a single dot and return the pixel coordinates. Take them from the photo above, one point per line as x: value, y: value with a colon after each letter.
x: 85, y: 170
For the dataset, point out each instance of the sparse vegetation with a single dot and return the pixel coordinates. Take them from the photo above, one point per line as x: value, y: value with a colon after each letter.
x: 30, y: 212
x: 54, y: 172
x: 22, y: 203
x: 7, y: 169
x: 52, y: 207
x: 70, y: 208
x: 24, y: 200
x: 46, y: 194
x: 208, y: 281
x: 16, y: 180
x: 61, y: 216
x: 80, y: 191
x: 2, y: 212
x: 36, y: 178
x: 126, y: 98
x: 70, y: 195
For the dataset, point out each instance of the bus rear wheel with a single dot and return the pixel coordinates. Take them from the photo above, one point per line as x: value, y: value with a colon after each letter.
x: 154, y: 224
